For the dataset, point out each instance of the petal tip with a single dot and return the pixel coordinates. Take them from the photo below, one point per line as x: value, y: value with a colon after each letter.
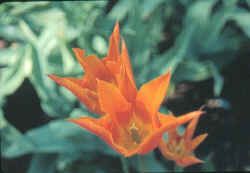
x: 49, y: 75
x: 71, y: 120
x: 53, y: 77
x: 204, y: 136
x: 169, y: 72
x: 79, y: 52
x: 202, y: 112
x: 199, y: 112
x: 117, y: 27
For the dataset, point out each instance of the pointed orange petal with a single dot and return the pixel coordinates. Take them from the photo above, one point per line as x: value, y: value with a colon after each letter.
x: 118, y: 70
x: 89, y: 81
x: 116, y: 33
x: 86, y: 96
x: 99, y: 128
x: 80, y: 54
x: 126, y: 87
x: 182, y: 161
x: 95, y: 66
x: 164, y: 151
x: 187, y: 161
x: 85, y: 82
x: 113, y: 52
x: 125, y: 60
x: 172, y: 133
x: 114, y: 67
x: 77, y: 81
x: 163, y: 118
x: 143, y: 114
x: 197, y: 141
x: 113, y: 103
x: 190, y: 129
x: 152, y: 94
x: 114, y: 40
x: 153, y: 140
x: 91, y: 64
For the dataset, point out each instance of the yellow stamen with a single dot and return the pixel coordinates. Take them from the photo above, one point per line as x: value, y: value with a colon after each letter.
x: 134, y: 133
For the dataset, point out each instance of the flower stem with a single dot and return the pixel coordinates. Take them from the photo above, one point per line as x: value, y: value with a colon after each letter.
x: 125, y: 166
x: 178, y: 169
x: 141, y: 164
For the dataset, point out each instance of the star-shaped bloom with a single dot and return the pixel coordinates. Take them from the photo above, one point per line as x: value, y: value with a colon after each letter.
x: 132, y: 127
x: 130, y: 124
x: 179, y: 148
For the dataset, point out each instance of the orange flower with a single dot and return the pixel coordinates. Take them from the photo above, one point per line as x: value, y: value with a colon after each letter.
x: 131, y: 122
x: 180, y: 148
x: 105, y: 69
x: 132, y: 127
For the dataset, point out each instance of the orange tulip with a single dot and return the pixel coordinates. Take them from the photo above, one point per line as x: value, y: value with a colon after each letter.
x: 132, y: 127
x: 179, y: 148
x: 131, y: 122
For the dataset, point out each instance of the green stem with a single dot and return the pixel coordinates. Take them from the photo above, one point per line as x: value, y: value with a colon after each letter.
x: 141, y: 163
x: 178, y: 169
x: 125, y: 166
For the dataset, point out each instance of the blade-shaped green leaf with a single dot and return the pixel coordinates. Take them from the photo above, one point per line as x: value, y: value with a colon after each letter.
x: 58, y: 136
x: 41, y: 163
x: 18, y: 67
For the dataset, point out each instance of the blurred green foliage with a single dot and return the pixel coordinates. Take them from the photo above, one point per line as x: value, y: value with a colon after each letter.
x: 198, y: 39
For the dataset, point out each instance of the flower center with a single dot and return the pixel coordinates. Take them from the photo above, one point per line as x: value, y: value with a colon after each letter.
x: 177, y: 147
x: 133, y: 130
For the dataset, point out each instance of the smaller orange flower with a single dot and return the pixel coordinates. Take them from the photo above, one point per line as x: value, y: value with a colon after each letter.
x: 180, y: 147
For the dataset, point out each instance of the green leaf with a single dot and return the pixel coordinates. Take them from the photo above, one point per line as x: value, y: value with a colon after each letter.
x: 178, y: 168
x: 194, y: 71
x: 22, y: 8
x: 11, y: 33
x: 218, y: 79
x: 47, y: 41
x: 100, y: 45
x: 149, y: 6
x: 65, y: 160
x: 28, y: 33
x: 208, y: 165
x: 18, y: 67
x: 242, y: 19
x: 51, y: 17
x: 121, y: 9
x: 68, y: 60
x: 53, y: 103
x: 199, y: 12
x: 58, y: 136
x: 248, y: 1
x: 147, y: 163
x: 3, y: 122
x: 176, y: 55
x: 9, y: 138
x: 41, y: 163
